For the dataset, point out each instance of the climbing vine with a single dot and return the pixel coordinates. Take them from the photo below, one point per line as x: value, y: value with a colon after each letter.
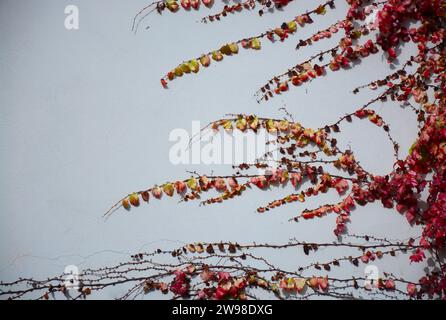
x: 311, y: 164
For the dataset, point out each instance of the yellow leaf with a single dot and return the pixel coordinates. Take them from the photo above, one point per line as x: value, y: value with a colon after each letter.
x: 255, y: 44
x: 321, y: 10
x: 217, y: 56
x: 168, y: 189
x: 172, y: 5
x: 270, y: 127
x: 234, y: 48
x: 178, y: 71
x: 241, y: 124
x: 192, y: 183
x: 185, y: 68
x: 134, y: 199
x: 227, y: 125
x: 205, y: 61
x: 284, y: 125
x: 194, y: 66
x: 126, y: 204
x: 292, y: 26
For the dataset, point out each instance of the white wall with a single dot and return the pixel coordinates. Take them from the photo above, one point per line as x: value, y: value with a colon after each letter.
x: 84, y: 121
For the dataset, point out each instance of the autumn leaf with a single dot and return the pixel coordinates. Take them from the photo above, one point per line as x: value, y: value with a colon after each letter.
x: 321, y: 10
x: 270, y: 126
x: 210, y: 249
x: 254, y: 123
x: 191, y: 248
x: 292, y: 26
x: 199, y: 248
x: 145, y: 196
x: 241, y: 124
x: 220, y: 184
x: 205, y: 61
x: 300, y: 284
x: 232, y: 182
x: 217, y: 56
x: 192, y: 183
x: 178, y: 71
x: 126, y: 204
x: 314, y: 283
x: 180, y: 187
x: 134, y: 199
x: 227, y: 125
x: 194, y: 66
x: 233, y: 48
x: 172, y: 5
x: 157, y: 192
x: 168, y: 189
x: 255, y: 44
